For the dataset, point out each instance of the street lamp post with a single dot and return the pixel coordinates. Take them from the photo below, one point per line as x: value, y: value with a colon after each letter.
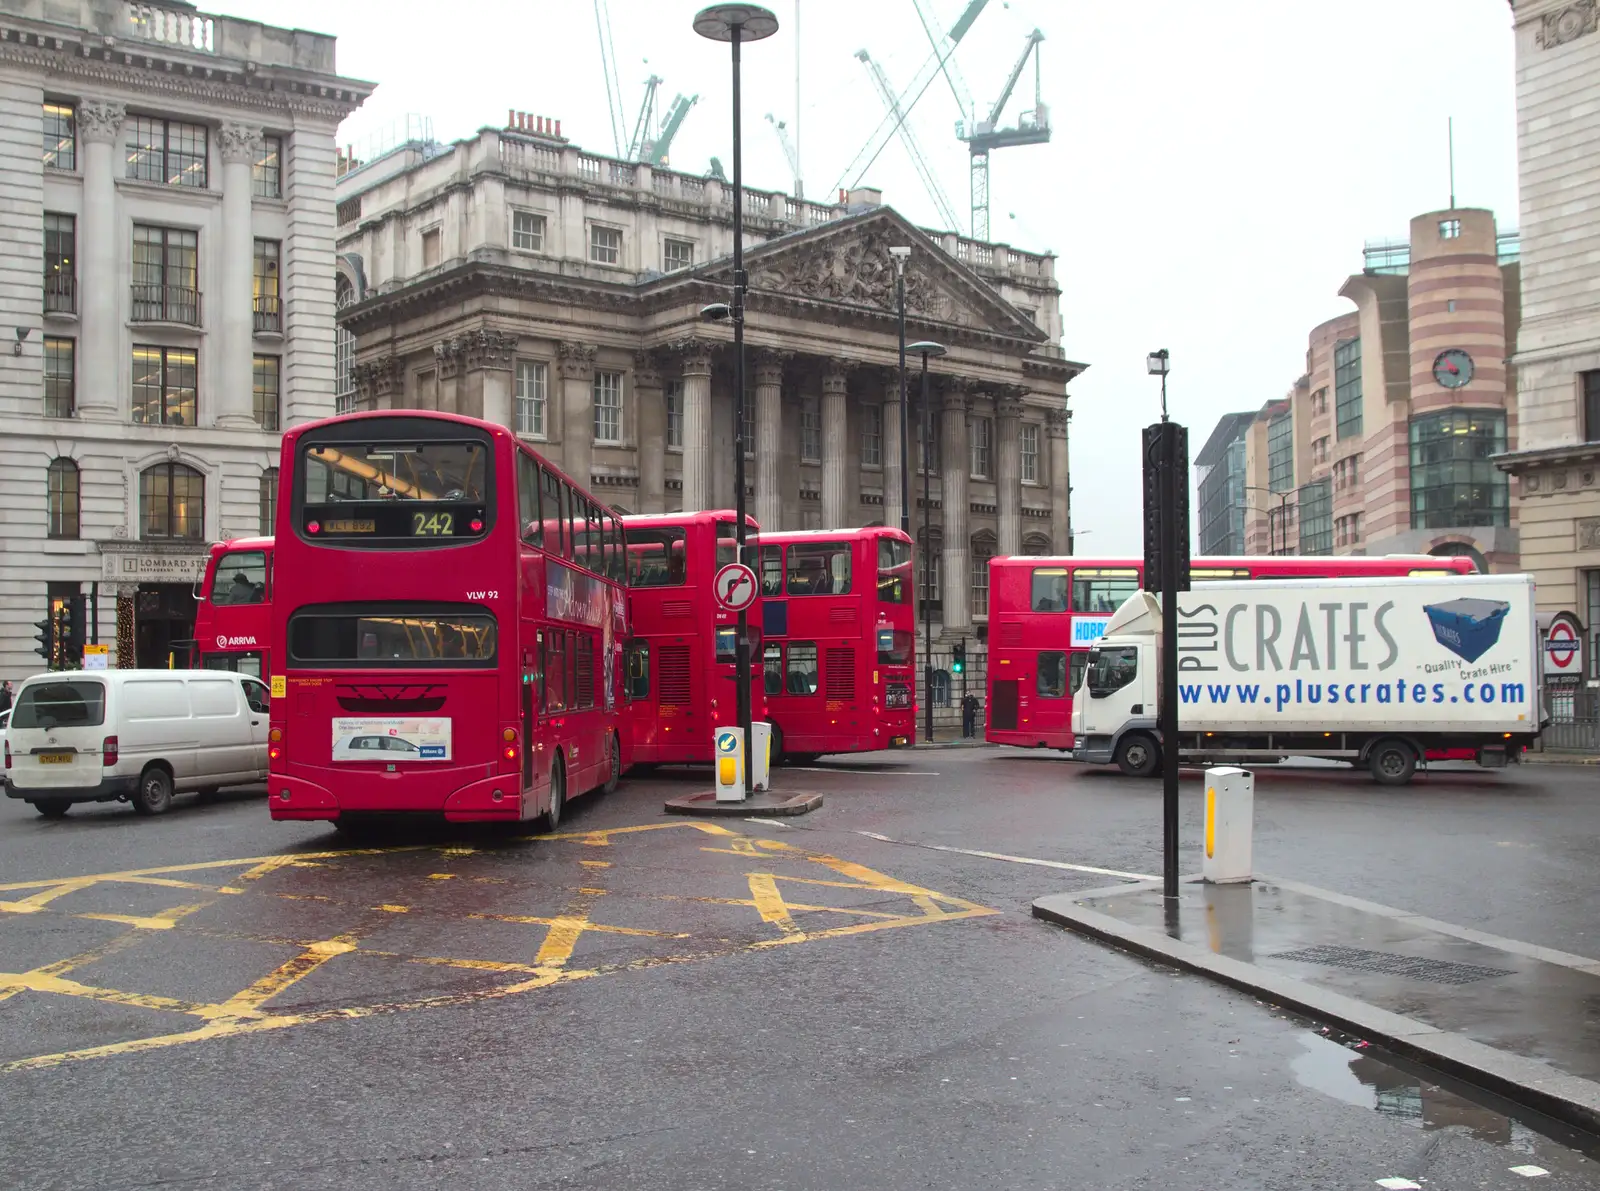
x: 1158, y: 364
x: 737, y: 23
x: 926, y: 348
x: 900, y: 254
x: 1281, y: 519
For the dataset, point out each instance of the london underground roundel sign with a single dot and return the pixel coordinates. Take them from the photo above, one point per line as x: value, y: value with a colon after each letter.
x: 1561, y: 649
x: 735, y: 587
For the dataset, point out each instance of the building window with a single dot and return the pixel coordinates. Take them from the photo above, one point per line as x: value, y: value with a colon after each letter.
x: 60, y: 136
x: 1593, y: 582
x: 1319, y: 402
x: 674, y: 398
x: 1591, y: 406
x: 432, y: 247
x: 172, y: 503
x: 1347, y: 388
x: 928, y: 452
x: 166, y: 275
x: 607, y: 391
x: 527, y: 231
x: 1319, y: 450
x: 1280, y: 452
x: 266, y: 390
x: 1449, y: 229
x: 1030, y: 453
x: 929, y: 573
x: 605, y: 244
x: 269, y: 311
x: 63, y: 488
x: 872, y: 436
x: 533, y: 378
x: 982, y: 551
x: 1453, y: 481
x: 266, y: 175
x: 267, y: 500
x: 344, y: 352
x: 982, y: 448
x: 168, y: 151
x: 1347, y: 530
x: 676, y: 254
x: 1347, y: 473
x: 60, y: 378
x: 60, y: 257
x: 1316, y: 518
x: 810, y: 430
x: 164, y: 383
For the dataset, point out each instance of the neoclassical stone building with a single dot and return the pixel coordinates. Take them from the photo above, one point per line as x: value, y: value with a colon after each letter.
x: 515, y: 278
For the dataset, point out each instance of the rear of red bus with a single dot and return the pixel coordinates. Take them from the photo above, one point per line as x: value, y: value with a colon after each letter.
x: 412, y: 624
x: 233, y: 623
x: 839, y: 659
x: 1045, y: 614
x: 681, y: 666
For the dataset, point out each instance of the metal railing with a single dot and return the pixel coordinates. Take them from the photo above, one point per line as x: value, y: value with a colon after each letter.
x: 166, y: 304
x: 1574, y: 725
x: 269, y: 314
x: 60, y: 294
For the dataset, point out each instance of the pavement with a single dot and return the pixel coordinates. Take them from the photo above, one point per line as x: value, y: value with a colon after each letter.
x: 860, y: 997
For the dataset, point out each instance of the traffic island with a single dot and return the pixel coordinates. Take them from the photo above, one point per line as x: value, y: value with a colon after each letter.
x: 1506, y: 1016
x: 774, y: 803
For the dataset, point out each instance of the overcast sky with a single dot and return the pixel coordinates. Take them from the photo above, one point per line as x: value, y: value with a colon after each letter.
x: 1214, y: 171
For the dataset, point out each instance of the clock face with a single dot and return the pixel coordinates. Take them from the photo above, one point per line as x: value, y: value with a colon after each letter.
x: 1453, y: 369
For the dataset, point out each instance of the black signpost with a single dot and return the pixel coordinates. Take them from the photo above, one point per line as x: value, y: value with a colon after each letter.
x: 1166, y: 573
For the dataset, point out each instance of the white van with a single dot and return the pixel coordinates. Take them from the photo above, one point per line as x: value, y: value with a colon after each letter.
x: 135, y: 736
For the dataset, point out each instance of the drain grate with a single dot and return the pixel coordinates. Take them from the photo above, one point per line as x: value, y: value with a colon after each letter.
x: 1435, y: 971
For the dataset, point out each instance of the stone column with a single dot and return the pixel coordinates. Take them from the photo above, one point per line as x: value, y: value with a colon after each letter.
x: 489, y: 354
x: 835, y: 425
x: 1060, y: 489
x: 696, y: 426
x: 769, y: 439
x: 650, y: 412
x: 1008, y: 471
x: 577, y: 410
x: 891, y: 449
x: 234, y: 314
x: 957, y: 547
x: 447, y: 358
x: 100, y: 297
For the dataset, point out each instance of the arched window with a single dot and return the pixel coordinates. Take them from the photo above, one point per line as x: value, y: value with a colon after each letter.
x: 344, y: 352
x: 268, y: 499
x: 63, y: 488
x: 172, y: 503
x: 1036, y: 545
x: 941, y: 688
x: 982, y: 548
x: 1461, y: 550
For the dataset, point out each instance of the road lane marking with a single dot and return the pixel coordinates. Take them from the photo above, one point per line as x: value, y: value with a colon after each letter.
x: 863, y: 772
x: 1062, y: 864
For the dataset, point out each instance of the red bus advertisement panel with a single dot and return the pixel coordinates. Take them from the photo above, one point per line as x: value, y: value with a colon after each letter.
x: 839, y: 662
x: 451, y: 614
x: 1046, y: 613
x: 680, y: 659
x: 233, y: 623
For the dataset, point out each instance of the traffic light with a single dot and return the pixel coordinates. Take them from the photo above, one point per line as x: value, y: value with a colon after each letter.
x: 46, y: 636
x: 71, y: 636
x: 958, y: 657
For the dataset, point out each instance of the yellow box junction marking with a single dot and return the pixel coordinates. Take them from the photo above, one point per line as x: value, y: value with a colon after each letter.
x: 249, y: 1010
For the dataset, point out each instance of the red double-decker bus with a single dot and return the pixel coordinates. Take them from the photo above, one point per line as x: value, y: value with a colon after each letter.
x: 680, y: 654
x: 233, y: 623
x: 452, y: 615
x: 839, y: 660
x: 1046, y: 613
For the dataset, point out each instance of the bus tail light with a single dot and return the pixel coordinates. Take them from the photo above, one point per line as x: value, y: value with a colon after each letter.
x: 509, y: 736
x: 274, y: 744
x: 108, y: 750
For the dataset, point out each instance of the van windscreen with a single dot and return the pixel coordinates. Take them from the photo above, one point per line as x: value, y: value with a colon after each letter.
x: 61, y: 704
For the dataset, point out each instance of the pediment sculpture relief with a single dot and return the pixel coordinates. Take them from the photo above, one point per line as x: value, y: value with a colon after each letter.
x: 860, y: 272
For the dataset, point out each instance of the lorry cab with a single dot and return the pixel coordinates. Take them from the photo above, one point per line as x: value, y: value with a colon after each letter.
x: 1114, y: 710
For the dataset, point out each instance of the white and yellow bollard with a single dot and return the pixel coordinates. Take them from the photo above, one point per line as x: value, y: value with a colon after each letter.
x: 1230, y: 825
x: 729, y: 764
x: 760, y: 767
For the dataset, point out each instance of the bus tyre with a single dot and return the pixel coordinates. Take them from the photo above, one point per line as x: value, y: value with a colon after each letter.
x: 613, y: 763
x: 775, y: 747
x: 551, y: 819
x: 1137, y: 755
x: 53, y: 808
x: 1392, y: 762
x: 154, y: 794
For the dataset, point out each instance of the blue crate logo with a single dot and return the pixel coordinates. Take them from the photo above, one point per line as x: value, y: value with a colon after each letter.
x: 1468, y: 628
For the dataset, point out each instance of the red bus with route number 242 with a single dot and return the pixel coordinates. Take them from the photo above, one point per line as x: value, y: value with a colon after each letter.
x: 452, y: 616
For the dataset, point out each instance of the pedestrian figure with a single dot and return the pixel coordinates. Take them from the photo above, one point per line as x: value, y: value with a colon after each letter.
x: 5, y: 695
x: 969, y: 715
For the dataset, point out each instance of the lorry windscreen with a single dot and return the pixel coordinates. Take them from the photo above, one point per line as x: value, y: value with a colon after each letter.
x: 1111, y: 669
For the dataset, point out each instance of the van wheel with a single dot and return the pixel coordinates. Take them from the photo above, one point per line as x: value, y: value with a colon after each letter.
x: 1392, y: 762
x: 154, y: 794
x: 551, y: 819
x: 1137, y: 755
x: 53, y: 808
x: 613, y: 763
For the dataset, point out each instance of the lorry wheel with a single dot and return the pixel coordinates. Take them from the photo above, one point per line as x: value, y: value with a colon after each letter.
x: 1393, y: 762
x: 53, y: 808
x: 1137, y: 755
x: 154, y: 794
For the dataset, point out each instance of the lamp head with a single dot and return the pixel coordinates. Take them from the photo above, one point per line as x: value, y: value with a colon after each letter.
x: 1157, y: 363
x: 717, y: 312
x: 718, y: 22
x: 926, y: 348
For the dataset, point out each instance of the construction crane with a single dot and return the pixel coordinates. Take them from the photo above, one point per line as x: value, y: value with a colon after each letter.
x: 791, y: 155
x: 909, y: 139
x: 651, y: 145
x: 944, y: 47
x: 1032, y: 128
x: 608, y: 68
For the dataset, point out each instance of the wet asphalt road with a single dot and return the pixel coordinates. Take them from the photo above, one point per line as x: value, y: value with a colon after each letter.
x: 650, y: 1002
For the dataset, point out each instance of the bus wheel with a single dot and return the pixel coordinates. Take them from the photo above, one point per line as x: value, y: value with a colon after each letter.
x: 613, y: 763
x: 1137, y: 755
x: 775, y: 747
x: 53, y: 808
x: 154, y: 794
x: 551, y: 819
x: 1392, y: 762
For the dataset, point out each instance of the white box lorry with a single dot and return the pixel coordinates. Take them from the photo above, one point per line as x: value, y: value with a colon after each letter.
x: 1377, y: 672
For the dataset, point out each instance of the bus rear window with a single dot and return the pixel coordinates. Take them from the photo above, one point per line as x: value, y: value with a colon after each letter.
x: 656, y: 557
x: 1049, y: 589
x: 62, y: 704
x: 420, y: 493
x: 894, y: 571
x: 383, y: 636
x: 1103, y: 589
